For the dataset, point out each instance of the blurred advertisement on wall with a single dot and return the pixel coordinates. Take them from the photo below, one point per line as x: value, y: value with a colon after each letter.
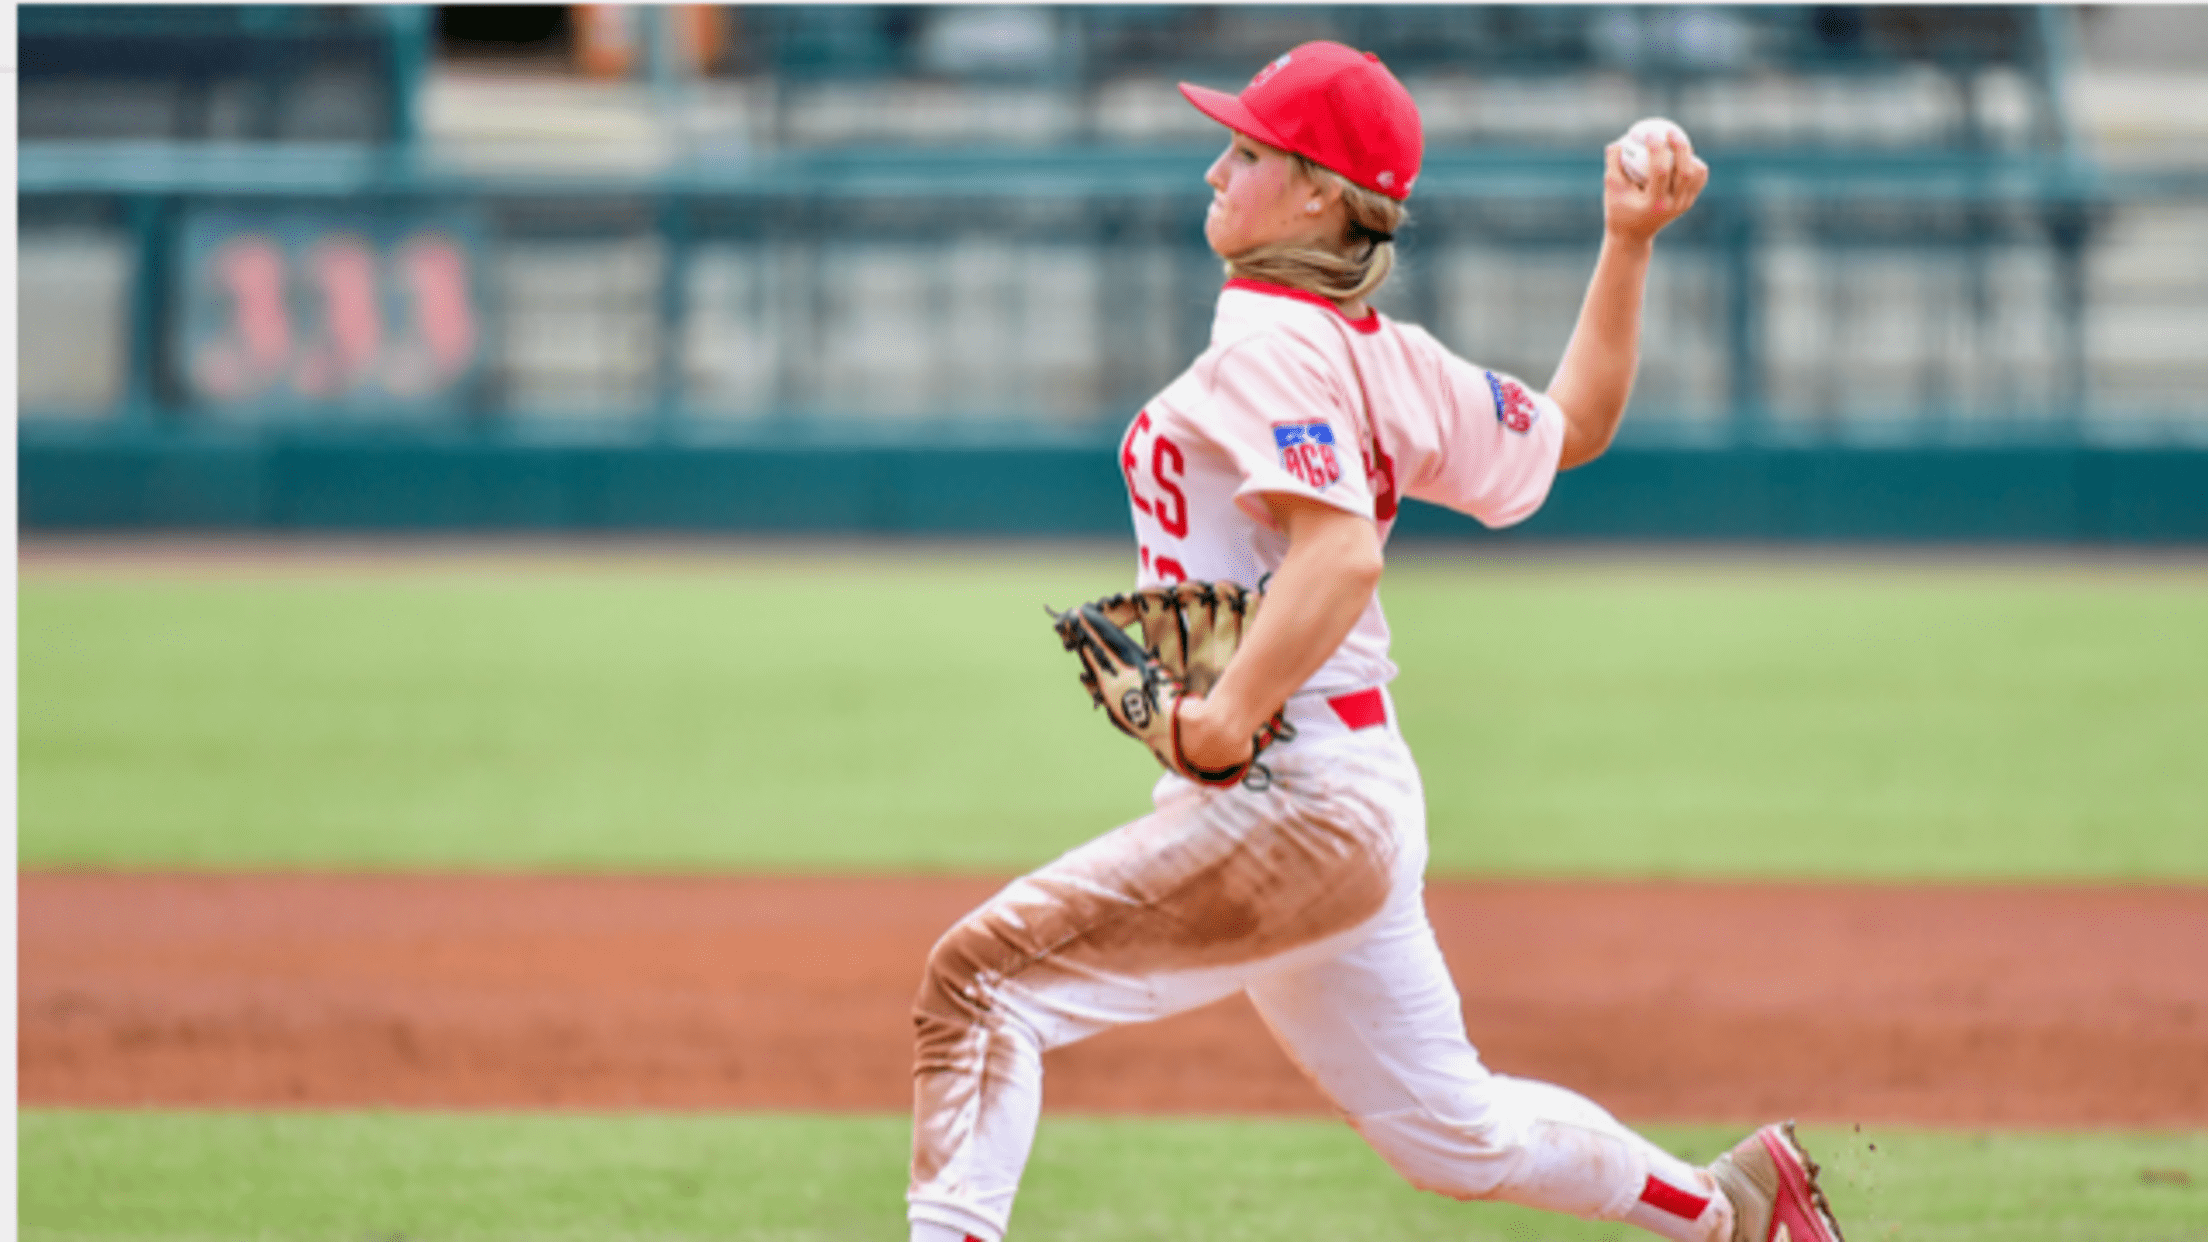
x: 340, y: 310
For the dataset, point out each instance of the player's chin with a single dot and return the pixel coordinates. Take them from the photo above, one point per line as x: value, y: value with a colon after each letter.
x: 1216, y: 233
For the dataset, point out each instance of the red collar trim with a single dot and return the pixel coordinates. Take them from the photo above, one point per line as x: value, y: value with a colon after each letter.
x: 1368, y: 325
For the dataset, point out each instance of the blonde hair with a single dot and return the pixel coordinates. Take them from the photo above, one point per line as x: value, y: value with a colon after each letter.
x: 1355, y: 270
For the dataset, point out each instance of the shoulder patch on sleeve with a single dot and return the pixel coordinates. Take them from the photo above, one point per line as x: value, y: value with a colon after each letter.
x: 1514, y: 407
x: 1307, y: 452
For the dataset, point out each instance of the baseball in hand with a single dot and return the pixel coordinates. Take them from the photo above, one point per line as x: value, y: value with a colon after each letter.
x: 1633, y: 148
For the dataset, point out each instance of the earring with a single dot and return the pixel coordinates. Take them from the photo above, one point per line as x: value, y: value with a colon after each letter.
x: 1310, y: 209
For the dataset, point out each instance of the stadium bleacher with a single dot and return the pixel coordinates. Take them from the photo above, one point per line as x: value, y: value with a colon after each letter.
x: 846, y: 220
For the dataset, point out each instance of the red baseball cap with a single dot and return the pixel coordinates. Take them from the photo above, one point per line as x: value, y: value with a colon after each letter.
x: 1337, y: 106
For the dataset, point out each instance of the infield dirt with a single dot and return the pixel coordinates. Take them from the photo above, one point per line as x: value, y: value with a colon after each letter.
x: 2018, y: 1006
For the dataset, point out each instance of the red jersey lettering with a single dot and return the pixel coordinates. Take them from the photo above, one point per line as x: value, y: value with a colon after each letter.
x: 1174, y: 517
x: 1127, y: 462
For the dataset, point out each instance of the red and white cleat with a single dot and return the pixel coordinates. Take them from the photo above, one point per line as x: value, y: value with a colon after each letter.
x: 1772, y: 1184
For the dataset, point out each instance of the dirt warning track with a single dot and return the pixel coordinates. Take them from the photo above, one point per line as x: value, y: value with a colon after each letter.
x: 2022, y: 1006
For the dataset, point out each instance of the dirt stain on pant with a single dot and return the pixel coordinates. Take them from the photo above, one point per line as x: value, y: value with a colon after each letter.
x: 1237, y: 877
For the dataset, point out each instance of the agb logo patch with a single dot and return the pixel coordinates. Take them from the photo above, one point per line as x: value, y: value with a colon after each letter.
x: 1307, y: 452
x: 1514, y: 407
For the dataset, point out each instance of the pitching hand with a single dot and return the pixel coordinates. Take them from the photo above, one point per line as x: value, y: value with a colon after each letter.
x: 1675, y: 179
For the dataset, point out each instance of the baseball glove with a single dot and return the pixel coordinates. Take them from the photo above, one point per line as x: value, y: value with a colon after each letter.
x: 1189, y: 632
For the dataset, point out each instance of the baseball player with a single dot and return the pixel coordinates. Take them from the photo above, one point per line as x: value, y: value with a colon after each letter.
x: 1277, y: 462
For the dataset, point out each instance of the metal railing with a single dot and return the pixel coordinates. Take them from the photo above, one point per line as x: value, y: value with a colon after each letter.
x: 1900, y: 298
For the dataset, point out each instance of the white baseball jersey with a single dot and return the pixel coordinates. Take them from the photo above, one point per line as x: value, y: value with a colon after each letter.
x: 1294, y: 397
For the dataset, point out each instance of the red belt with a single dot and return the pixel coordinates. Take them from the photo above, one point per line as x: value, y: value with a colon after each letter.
x: 1363, y: 709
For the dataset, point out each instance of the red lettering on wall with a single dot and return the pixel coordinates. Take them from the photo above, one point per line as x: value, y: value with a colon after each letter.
x: 352, y: 323
x: 251, y: 272
x: 333, y: 316
x: 435, y: 274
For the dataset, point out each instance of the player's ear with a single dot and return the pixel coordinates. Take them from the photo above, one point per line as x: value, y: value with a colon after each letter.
x: 1324, y: 193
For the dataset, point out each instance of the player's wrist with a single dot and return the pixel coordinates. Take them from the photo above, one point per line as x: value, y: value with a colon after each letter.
x: 1629, y: 241
x: 1234, y: 711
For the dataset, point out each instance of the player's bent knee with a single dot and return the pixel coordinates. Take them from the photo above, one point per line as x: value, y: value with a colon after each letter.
x: 958, y: 988
x: 946, y: 1010
x: 951, y: 992
x: 962, y: 1021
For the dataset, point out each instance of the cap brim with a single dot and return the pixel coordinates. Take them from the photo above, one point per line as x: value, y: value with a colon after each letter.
x: 1229, y: 111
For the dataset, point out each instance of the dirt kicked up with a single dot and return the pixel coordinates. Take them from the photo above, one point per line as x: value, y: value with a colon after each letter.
x: 2021, y: 1006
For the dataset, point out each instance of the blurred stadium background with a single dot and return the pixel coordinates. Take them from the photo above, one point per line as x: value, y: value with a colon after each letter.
x: 875, y: 269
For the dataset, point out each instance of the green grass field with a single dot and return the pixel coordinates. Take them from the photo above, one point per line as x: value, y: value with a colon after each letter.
x: 914, y: 712
x: 378, y: 1177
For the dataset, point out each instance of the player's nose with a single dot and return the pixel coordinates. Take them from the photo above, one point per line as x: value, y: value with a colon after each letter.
x: 1216, y: 175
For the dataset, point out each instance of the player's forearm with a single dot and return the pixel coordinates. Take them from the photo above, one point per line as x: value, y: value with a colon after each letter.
x: 1312, y: 602
x: 1595, y: 377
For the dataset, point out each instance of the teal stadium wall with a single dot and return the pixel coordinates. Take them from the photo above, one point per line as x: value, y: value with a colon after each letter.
x: 1959, y: 193
x: 2019, y: 495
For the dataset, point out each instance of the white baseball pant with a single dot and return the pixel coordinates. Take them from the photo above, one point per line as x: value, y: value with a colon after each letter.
x: 1308, y: 896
